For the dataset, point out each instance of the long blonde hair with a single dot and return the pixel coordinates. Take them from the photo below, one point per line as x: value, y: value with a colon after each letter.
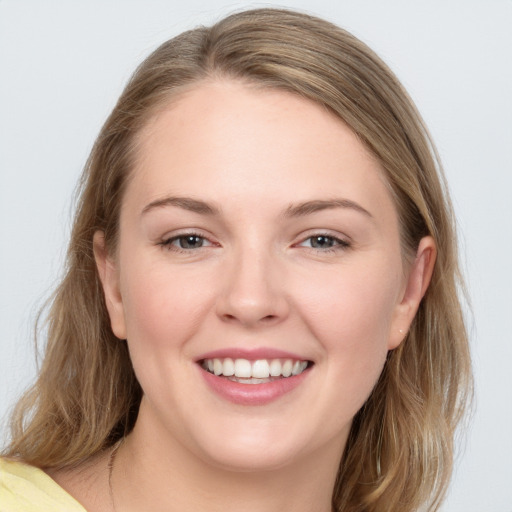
x: 400, y: 450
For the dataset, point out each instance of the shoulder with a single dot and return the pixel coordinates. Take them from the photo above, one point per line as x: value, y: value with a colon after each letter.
x: 25, y: 488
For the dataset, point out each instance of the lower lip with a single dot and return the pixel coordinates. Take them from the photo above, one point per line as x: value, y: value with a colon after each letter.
x: 252, y: 394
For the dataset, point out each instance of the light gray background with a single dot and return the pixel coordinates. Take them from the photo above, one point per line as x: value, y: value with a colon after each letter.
x: 63, y: 65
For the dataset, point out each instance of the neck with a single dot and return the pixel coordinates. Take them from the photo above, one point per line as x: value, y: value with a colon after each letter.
x: 150, y: 474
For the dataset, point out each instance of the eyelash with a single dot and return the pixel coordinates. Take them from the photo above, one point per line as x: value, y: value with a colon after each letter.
x: 337, y: 243
x: 168, y: 243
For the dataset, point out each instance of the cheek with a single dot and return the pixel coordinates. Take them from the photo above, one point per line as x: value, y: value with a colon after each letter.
x: 352, y: 319
x: 163, y: 313
x: 162, y: 308
x: 355, y: 307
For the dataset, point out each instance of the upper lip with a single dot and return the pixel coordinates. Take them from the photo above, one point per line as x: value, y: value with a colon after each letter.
x: 251, y: 354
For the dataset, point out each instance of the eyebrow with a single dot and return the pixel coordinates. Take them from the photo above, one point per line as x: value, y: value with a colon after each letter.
x: 299, y: 210
x: 186, y: 203
x: 318, y: 205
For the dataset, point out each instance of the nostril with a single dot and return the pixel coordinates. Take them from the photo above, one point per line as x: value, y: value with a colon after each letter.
x: 265, y: 319
x: 252, y: 311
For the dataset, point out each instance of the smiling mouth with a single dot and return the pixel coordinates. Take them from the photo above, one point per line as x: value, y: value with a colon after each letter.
x: 259, y: 371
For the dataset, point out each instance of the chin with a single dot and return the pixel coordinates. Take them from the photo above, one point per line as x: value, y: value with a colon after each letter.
x: 263, y: 446
x: 244, y: 459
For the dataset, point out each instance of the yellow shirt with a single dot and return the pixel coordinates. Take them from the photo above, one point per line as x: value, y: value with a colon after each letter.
x: 25, y: 488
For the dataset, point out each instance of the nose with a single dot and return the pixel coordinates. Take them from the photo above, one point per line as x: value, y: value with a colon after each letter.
x: 253, y: 294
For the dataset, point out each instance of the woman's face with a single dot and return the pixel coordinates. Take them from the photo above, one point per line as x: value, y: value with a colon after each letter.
x: 257, y: 236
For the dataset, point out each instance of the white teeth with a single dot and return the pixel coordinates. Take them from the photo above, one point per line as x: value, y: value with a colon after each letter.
x: 252, y: 380
x: 296, y: 368
x: 217, y: 366
x: 262, y: 369
x: 287, y: 368
x: 243, y: 368
x: 275, y: 368
x: 229, y: 367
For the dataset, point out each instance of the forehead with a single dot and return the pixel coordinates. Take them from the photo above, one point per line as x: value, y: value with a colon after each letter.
x: 228, y: 140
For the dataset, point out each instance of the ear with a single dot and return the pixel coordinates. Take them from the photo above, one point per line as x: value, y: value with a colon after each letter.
x: 416, y: 285
x: 109, y: 277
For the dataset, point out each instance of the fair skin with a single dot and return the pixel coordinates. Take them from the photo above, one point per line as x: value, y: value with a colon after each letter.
x: 254, y: 222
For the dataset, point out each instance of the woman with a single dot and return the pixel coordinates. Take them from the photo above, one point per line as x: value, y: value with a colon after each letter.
x: 260, y: 307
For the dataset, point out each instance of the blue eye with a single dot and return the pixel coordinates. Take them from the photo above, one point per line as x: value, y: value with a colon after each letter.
x: 324, y: 242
